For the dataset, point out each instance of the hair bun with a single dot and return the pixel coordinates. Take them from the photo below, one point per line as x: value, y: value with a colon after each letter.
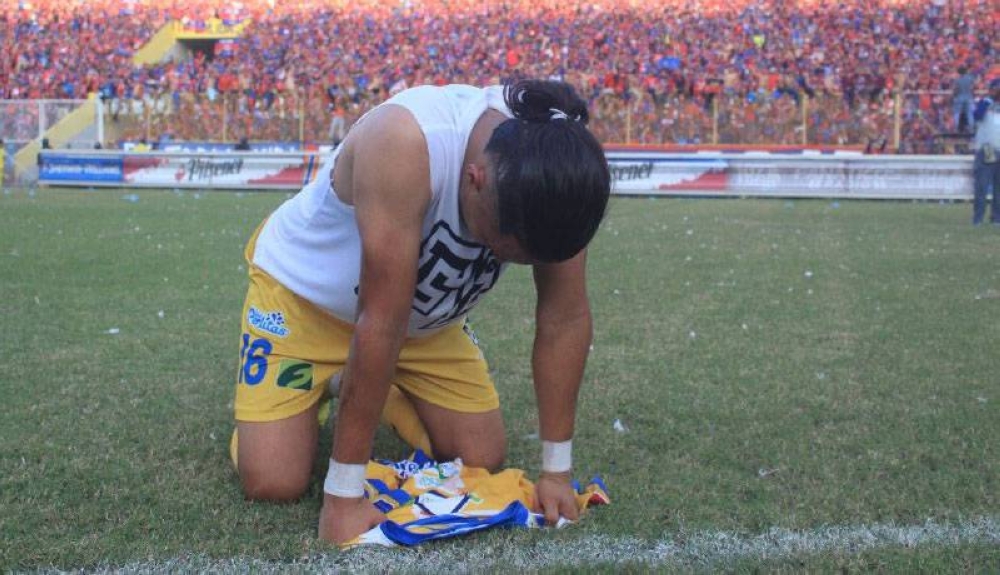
x: 544, y: 101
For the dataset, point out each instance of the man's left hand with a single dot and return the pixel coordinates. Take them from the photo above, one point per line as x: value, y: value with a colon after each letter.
x: 555, y: 497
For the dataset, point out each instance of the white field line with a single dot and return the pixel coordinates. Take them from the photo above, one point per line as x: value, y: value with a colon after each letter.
x: 703, y: 549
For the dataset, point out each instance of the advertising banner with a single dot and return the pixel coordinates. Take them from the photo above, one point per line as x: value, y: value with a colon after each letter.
x: 781, y: 175
x: 56, y: 167
x: 219, y: 171
x: 632, y: 172
x: 644, y: 175
x: 178, y: 170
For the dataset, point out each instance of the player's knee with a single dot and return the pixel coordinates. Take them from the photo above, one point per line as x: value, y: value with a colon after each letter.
x: 277, y: 487
x: 489, y: 456
x: 493, y: 460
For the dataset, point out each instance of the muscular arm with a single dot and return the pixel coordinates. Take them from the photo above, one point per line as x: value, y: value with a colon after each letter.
x: 562, y: 341
x: 390, y: 190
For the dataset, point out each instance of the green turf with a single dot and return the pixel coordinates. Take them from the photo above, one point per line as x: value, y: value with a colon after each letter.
x: 928, y: 560
x: 776, y: 363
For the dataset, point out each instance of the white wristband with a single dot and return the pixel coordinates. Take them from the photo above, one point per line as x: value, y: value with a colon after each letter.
x: 557, y: 456
x: 345, y: 479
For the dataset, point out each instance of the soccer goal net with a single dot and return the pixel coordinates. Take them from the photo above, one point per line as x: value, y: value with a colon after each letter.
x: 65, y: 124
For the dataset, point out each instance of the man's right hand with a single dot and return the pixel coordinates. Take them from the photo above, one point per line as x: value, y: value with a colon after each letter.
x: 342, y: 519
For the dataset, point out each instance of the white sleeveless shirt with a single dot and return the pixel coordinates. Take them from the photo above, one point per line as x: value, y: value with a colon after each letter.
x: 312, y: 246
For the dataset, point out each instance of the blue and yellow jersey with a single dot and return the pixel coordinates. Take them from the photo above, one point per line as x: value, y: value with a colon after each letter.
x: 426, y: 500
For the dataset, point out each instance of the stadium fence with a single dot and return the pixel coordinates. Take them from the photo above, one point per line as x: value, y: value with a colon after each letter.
x: 901, y: 122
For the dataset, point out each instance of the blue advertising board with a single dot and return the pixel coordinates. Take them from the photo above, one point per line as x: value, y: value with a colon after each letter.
x: 54, y: 166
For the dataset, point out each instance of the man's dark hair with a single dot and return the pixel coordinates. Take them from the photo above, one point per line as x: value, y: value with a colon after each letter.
x: 552, y: 177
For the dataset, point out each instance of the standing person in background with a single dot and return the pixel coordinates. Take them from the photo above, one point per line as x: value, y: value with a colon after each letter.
x: 962, y: 99
x: 366, y: 276
x: 39, y: 159
x: 986, y: 167
x: 338, y: 123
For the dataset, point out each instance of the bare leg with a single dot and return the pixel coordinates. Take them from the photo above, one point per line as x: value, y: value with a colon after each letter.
x: 478, y: 438
x: 275, y: 458
x: 400, y: 415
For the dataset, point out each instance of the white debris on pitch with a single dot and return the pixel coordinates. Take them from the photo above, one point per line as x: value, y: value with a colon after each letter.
x: 712, y: 550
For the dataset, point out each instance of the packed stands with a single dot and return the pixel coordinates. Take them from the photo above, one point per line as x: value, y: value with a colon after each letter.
x: 852, y: 72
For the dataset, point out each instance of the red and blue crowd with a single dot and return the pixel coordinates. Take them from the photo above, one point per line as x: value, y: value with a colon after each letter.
x: 655, y: 71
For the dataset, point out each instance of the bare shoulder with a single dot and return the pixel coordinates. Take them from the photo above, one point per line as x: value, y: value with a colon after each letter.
x: 385, y: 151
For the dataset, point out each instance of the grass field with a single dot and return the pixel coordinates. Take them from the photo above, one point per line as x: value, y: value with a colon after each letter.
x: 804, y: 385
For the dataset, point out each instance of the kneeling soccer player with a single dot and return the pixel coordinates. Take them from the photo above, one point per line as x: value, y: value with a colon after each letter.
x: 368, y: 274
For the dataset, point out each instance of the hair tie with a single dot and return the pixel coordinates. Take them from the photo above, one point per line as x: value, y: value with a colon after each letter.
x: 558, y: 114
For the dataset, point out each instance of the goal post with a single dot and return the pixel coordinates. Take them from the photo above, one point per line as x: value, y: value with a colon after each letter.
x: 67, y: 124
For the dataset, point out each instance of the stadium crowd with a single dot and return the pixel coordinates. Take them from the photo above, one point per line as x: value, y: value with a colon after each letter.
x: 663, y: 71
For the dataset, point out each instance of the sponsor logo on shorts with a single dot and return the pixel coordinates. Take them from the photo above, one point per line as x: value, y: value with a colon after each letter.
x: 295, y: 374
x: 272, y: 322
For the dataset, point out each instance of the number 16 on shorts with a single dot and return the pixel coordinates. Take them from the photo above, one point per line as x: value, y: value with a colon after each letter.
x: 253, y: 359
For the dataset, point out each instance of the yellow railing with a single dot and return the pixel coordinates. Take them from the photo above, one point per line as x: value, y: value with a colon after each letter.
x: 154, y: 50
x: 213, y: 29
x: 157, y: 47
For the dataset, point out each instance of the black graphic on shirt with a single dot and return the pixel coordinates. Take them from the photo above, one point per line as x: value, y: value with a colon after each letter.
x: 454, y: 273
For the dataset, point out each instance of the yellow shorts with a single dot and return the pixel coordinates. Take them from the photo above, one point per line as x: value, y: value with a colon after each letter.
x: 289, y: 349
